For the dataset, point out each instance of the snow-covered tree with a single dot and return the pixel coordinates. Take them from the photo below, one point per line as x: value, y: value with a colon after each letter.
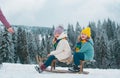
x: 22, y: 51
x: 71, y: 35
x: 93, y: 30
x: 77, y: 30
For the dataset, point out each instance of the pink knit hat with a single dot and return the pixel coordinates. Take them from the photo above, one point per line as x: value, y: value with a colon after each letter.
x: 58, y: 30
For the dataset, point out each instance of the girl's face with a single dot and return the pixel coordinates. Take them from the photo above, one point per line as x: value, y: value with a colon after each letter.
x: 83, y: 36
x: 56, y: 35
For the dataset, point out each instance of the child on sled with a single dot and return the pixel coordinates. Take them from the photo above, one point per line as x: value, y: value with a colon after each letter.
x: 84, y: 50
x: 62, y: 50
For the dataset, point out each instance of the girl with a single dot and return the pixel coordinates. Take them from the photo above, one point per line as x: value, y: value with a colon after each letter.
x: 84, y: 49
x: 62, y: 50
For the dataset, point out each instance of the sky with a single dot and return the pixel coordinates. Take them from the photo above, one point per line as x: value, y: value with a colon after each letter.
x: 59, y: 12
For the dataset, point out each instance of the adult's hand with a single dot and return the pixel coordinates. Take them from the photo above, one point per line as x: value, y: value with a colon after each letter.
x: 10, y: 30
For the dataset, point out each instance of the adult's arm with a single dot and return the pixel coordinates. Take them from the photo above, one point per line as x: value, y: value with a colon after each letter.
x: 4, y: 20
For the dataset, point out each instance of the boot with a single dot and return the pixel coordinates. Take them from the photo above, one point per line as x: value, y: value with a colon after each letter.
x: 40, y: 69
x: 74, y: 68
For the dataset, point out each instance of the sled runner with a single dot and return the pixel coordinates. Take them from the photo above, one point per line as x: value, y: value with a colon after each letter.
x: 60, y: 71
x: 65, y: 71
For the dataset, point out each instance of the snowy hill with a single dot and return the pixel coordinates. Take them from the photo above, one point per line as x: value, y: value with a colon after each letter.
x: 8, y: 70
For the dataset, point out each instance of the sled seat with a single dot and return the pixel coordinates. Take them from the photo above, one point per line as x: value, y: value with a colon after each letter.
x: 81, y: 65
x: 53, y: 65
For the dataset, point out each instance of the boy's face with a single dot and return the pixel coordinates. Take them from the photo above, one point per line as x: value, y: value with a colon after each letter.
x: 83, y: 36
x: 56, y: 35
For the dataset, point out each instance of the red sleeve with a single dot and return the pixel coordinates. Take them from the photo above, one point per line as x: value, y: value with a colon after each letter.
x: 4, y: 20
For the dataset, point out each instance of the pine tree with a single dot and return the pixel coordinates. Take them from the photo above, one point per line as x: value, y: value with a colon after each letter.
x: 109, y: 26
x: 93, y: 30
x: 118, y: 32
x: 22, y: 50
x: 71, y: 35
x: 14, y: 40
x: 115, y: 49
x: 7, y: 47
x: 31, y: 47
x: 101, y: 51
x: 1, y: 48
x: 77, y: 30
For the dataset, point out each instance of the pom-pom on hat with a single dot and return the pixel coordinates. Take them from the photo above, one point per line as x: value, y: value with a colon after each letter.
x: 58, y: 30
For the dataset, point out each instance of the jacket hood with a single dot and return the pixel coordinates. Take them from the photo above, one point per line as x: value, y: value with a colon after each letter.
x: 62, y: 35
x: 91, y: 41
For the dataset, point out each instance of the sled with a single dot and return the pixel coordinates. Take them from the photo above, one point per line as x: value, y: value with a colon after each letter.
x: 60, y: 71
x: 65, y: 71
x: 54, y: 70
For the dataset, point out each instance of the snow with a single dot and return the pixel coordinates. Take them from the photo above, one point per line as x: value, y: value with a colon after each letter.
x: 9, y: 70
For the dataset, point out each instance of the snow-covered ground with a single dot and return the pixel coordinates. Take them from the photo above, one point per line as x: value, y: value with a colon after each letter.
x: 8, y: 70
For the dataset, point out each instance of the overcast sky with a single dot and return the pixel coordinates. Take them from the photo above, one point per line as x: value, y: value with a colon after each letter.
x: 55, y: 12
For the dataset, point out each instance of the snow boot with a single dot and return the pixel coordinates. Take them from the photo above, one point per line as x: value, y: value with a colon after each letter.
x: 74, y: 68
x: 40, y: 69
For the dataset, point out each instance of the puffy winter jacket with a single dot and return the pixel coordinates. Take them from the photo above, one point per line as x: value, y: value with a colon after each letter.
x: 63, y: 50
x: 88, y: 50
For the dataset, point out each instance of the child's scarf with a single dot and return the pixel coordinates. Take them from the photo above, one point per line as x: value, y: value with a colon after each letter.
x: 79, y: 44
x: 56, y: 43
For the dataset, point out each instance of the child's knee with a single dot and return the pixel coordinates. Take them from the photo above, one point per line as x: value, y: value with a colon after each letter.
x: 52, y: 56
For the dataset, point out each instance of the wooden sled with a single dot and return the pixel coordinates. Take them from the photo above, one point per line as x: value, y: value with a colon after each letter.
x: 54, y: 70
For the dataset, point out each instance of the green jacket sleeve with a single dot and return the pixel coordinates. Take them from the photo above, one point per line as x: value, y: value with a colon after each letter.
x: 86, y: 47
